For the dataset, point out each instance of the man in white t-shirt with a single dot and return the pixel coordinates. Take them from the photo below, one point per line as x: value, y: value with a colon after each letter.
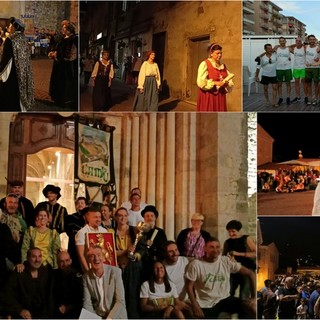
x: 312, y: 69
x: 284, y: 72
x: 268, y: 64
x: 93, y: 218
x: 134, y: 213
x: 208, y: 285
x: 127, y: 204
x: 176, y: 266
x: 299, y: 69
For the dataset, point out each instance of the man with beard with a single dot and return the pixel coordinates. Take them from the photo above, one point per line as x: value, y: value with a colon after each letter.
x: 208, y: 285
x: 176, y: 266
x: 28, y: 295
x: 67, y: 289
x: 16, y: 80
x: 74, y: 223
x: 26, y: 208
x: 12, y: 218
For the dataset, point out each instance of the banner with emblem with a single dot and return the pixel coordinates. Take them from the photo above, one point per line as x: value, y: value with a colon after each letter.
x: 94, y: 169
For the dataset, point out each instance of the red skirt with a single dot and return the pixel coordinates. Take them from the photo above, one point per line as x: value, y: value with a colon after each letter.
x: 212, y: 101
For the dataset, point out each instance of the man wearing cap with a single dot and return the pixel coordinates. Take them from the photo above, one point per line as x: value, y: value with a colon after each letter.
x: 128, y: 204
x: 16, y: 78
x: 191, y: 241
x: 155, y: 240
x: 58, y: 213
x: 26, y: 207
x: 134, y: 213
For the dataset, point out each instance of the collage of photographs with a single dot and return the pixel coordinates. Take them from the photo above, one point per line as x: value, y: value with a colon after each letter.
x: 159, y: 159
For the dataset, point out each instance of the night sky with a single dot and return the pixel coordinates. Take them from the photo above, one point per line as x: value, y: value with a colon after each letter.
x: 295, y: 237
x: 292, y: 132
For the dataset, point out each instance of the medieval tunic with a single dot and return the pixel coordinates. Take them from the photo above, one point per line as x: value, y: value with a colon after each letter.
x: 101, y: 96
x: 16, y: 85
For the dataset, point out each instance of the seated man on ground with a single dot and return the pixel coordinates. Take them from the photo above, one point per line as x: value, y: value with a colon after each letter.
x: 208, y: 285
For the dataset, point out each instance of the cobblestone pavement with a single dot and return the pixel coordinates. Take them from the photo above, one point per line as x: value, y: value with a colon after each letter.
x: 42, y: 68
x: 285, y: 204
x: 123, y: 95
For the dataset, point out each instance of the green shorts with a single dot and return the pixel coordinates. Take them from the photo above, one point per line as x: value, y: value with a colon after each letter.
x: 312, y: 74
x: 284, y: 75
x: 299, y: 73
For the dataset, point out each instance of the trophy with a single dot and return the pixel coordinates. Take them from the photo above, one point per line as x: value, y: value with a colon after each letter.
x: 142, y: 227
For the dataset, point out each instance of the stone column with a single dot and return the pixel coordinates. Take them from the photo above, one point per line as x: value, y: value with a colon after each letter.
x: 170, y: 176
x: 152, y: 144
x: 135, y: 152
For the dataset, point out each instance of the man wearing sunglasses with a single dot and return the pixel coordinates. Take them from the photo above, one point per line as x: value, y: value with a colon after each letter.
x: 268, y: 63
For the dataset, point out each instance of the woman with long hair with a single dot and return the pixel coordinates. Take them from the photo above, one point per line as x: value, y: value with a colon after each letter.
x: 129, y: 260
x: 158, y: 296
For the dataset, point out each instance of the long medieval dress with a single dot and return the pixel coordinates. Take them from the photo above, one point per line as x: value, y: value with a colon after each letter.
x: 211, y: 99
x: 16, y: 85
x: 64, y: 76
x: 101, y: 95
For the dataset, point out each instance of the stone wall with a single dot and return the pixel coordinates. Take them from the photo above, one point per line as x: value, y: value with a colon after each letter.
x: 221, y: 21
x: 183, y: 163
x: 5, y: 119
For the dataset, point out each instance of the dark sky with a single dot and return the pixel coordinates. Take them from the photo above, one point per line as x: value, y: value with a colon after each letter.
x: 295, y: 237
x: 292, y: 132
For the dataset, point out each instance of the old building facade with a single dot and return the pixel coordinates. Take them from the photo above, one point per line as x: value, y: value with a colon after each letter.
x: 132, y: 28
x: 183, y: 163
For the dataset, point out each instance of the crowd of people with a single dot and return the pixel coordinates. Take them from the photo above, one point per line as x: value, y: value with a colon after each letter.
x: 290, y: 297
x: 16, y: 75
x: 275, y: 68
x: 287, y: 180
x: 152, y: 277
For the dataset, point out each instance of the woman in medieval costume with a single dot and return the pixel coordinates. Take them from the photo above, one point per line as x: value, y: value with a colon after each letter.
x: 64, y: 76
x: 214, y: 82
x: 16, y: 78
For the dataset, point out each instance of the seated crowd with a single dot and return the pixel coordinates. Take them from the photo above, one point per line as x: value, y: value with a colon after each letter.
x: 287, y: 180
x: 151, y: 277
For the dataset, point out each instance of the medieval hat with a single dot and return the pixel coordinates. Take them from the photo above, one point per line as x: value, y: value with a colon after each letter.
x: 52, y: 188
x: 150, y: 208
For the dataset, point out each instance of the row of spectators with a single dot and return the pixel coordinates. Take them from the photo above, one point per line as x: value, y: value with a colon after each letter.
x: 287, y: 180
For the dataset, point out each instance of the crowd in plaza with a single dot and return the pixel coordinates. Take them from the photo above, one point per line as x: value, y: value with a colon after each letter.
x: 192, y: 277
x: 290, y: 297
x: 275, y: 68
x: 287, y: 180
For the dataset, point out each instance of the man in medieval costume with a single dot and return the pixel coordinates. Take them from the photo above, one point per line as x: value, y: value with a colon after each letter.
x: 16, y: 79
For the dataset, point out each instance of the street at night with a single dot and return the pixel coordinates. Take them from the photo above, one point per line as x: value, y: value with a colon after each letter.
x: 122, y: 98
x: 294, y: 237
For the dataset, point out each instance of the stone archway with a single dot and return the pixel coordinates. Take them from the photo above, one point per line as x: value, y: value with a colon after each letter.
x: 30, y: 134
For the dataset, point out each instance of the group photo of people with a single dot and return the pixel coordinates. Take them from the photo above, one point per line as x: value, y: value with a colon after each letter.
x: 119, y: 250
